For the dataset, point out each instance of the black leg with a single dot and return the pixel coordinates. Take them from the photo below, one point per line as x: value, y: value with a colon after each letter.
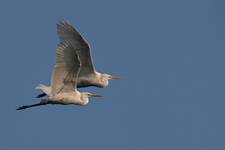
x: 42, y: 102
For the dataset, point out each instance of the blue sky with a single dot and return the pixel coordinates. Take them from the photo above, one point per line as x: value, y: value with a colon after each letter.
x: 170, y: 55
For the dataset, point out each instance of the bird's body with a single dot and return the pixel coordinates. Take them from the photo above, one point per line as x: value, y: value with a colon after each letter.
x: 72, y: 97
x: 87, y: 76
x: 75, y: 97
x: 93, y: 79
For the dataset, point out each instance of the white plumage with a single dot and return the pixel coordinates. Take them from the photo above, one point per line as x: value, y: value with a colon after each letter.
x: 87, y: 76
x: 74, y: 68
x: 64, y: 80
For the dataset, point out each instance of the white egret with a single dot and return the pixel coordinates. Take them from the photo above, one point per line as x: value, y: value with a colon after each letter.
x: 64, y: 80
x: 88, y: 76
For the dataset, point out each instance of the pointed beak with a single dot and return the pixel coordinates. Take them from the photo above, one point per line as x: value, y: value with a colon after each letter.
x: 95, y: 95
x: 112, y: 77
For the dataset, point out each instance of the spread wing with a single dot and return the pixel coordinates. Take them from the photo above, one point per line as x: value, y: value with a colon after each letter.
x: 67, y: 32
x: 67, y: 67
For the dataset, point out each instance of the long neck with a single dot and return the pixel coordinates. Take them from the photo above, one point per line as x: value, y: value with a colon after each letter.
x: 90, y: 80
x: 84, y: 98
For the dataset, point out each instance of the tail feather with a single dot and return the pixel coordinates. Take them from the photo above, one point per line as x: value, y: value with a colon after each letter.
x: 45, y: 89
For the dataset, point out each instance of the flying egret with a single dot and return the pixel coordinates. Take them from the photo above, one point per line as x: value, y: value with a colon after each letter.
x: 88, y: 76
x: 64, y: 80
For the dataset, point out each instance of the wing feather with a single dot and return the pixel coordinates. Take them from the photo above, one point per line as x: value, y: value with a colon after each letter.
x: 67, y: 67
x: 67, y: 32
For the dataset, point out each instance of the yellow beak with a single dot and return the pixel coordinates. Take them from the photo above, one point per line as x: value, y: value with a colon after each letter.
x: 95, y: 95
x: 112, y: 77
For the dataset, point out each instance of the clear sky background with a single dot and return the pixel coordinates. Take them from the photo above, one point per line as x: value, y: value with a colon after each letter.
x: 169, y: 53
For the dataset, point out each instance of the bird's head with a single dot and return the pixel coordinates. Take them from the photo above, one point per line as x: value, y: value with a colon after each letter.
x: 85, y: 97
x: 104, y: 79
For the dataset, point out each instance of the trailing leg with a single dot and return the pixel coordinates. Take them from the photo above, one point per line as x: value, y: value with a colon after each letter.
x: 42, y: 102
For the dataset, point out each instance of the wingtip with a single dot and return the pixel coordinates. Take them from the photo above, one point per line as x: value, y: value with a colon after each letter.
x: 63, y: 23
